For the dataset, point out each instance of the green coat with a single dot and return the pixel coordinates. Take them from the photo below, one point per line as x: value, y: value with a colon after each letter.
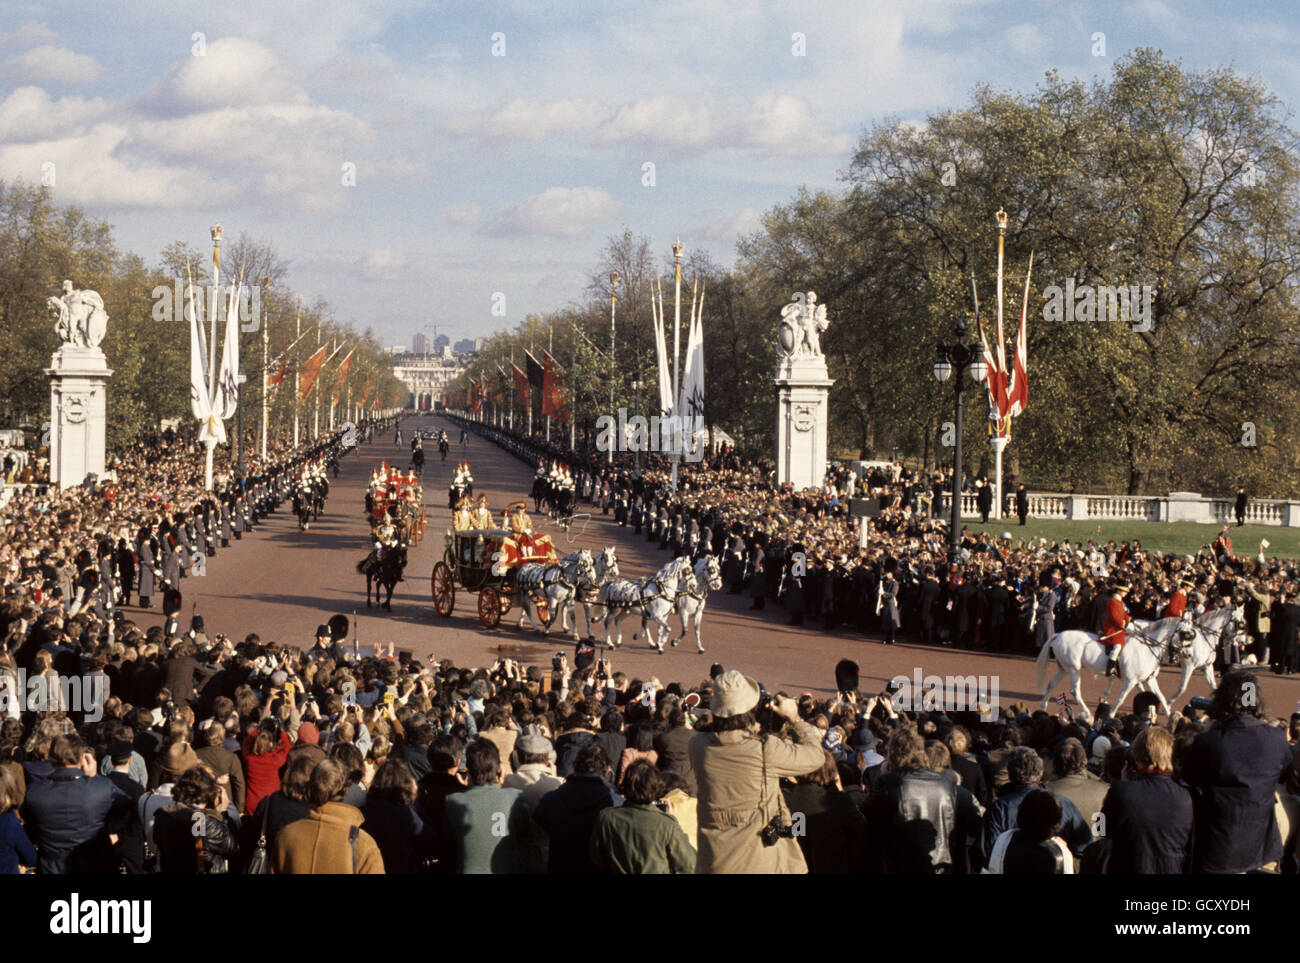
x: 640, y: 840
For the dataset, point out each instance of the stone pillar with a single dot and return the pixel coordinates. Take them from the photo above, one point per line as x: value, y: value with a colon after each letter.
x: 78, y: 413
x: 801, y: 421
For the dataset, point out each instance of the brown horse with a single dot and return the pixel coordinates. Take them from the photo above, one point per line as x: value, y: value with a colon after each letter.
x: 383, y: 573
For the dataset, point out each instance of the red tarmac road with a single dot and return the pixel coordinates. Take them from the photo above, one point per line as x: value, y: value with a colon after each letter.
x: 281, y: 583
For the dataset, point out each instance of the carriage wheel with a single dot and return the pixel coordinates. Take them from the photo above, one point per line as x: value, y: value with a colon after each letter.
x: 489, y: 607
x: 444, y: 590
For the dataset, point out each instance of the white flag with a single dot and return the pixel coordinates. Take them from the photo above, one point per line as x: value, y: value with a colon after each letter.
x: 661, y: 358
x: 200, y: 401
x: 227, y: 389
x: 691, y: 401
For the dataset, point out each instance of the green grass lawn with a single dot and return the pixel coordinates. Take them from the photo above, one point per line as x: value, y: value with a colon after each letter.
x: 1184, y: 538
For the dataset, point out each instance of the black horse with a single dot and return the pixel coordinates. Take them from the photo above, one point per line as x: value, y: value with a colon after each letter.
x: 417, y: 461
x: 443, y: 446
x: 383, y: 573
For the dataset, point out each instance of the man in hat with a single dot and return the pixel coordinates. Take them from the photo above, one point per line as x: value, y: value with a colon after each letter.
x: 461, y: 520
x: 481, y: 518
x: 519, y: 522
x: 1113, y: 629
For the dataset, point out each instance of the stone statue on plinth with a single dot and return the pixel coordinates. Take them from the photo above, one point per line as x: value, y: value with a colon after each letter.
x: 79, y: 376
x: 802, y: 390
x: 82, y: 320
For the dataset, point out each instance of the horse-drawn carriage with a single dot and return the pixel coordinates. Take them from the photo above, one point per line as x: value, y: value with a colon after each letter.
x: 486, y: 562
x: 391, y: 487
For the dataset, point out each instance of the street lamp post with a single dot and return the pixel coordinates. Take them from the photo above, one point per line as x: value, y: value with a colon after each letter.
x: 957, y: 358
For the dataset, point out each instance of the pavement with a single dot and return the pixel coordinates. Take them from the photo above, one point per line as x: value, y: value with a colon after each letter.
x: 281, y: 583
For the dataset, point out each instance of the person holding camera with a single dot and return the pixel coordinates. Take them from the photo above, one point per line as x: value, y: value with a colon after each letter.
x: 744, y: 823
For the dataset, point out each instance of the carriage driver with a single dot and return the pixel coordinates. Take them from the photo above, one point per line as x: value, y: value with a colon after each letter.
x: 482, y: 515
x: 1112, y: 634
x: 519, y: 522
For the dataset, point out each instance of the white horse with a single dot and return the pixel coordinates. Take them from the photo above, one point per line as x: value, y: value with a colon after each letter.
x: 557, y: 583
x: 1198, y: 650
x: 655, y: 597
x: 588, y: 594
x: 1076, y: 652
x: 690, y: 604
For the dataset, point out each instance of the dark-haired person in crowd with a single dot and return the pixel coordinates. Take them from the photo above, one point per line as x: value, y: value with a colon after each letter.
x: 406, y: 842
x: 834, y: 832
x: 288, y: 804
x: 1025, y: 774
x: 194, y: 835
x: 1234, y: 770
x: 68, y: 812
x: 638, y: 838
x: 912, y: 811
x: 1074, y: 782
x: 330, y: 840
x: 444, y: 779
x: 568, y: 814
x: 1149, y: 818
x: 486, y: 820
x: 1033, y: 847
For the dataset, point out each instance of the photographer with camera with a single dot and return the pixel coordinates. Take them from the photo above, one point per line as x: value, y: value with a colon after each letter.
x: 739, y: 759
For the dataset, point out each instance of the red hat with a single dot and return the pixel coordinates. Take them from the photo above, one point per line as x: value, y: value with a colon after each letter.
x: 308, y: 734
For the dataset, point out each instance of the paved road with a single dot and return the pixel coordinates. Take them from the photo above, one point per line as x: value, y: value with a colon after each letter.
x: 282, y: 583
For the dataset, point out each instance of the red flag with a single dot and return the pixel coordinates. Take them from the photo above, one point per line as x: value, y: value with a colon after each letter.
x: 279, y: 368
x: 521, y: 384
x: 311, y: 371
x: 1018, y: 390
x: 553, y: 401
x: 342, y: 377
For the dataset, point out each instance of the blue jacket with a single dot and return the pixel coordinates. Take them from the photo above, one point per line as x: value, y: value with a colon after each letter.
x: 1149, y: 822
x: 15, y: 848
x: 1234, y: 770
x: 1001, y: 816
x: 67, y: 814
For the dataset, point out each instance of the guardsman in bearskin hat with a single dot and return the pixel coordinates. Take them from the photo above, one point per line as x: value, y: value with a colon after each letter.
x: 1113, y: 632
x: 171, y: 607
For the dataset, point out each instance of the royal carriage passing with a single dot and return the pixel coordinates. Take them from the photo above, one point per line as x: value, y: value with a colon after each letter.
x: 391, y: 487
x: 485, y: 561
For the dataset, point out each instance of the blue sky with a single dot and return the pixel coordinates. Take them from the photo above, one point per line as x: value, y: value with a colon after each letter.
x: 478, y: 174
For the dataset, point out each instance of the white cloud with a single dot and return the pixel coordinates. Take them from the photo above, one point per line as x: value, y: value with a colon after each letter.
x: 768, y: 124
x: 556, y: 212
x: 723, y: 231
x: 1026, y: 39
x: 25, y: 36
x: 90, y: 169
x: 384, y: 264
x: 50, y: 64
x: 526, y: 120
x: 462, y: 214
x: 234, y: 72
x: 29, y: 114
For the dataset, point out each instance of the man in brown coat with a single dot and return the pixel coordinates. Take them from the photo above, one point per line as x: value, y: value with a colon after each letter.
x: 330, y: 840
x: 738, y: 770
x: 225, y: 765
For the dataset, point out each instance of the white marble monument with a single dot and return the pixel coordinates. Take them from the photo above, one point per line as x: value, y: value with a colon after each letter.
x: 802, y: 388
x: 79, y: 376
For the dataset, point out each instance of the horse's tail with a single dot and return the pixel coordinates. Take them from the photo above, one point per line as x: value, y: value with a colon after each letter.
x: 1040, y: 664
x: 363, y: 565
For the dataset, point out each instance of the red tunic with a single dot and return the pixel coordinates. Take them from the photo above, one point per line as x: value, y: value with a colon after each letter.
x: 1177, y: 605
x: 1117, y: 617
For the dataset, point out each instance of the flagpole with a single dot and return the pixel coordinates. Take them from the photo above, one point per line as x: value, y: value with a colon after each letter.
x: 999, y: 440
x: 266, y: 364
x: 550, y: 349
x: 678, y: 249
x: 210, y: 383
x: 297, y: 375
x: 613, y: 302
x: 315, y: 425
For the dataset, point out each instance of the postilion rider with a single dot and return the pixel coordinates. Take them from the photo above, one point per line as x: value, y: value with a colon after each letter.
x: 1113, y: 631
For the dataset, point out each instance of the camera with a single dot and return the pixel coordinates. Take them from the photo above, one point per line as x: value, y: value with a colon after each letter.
x: 557, y: 661
x: 774, y: 831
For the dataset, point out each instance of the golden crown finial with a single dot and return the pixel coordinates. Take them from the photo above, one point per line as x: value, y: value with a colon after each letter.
x: 1002, y: 219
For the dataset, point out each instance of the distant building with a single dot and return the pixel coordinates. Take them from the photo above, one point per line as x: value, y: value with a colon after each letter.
x: 466, y: 346
x: 440, y: 342
x: 396, y: 349
x: 426, y: 377
x: 420, y: 344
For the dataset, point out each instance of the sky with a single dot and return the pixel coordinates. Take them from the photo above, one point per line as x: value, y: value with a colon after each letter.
x: 431, y: 163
